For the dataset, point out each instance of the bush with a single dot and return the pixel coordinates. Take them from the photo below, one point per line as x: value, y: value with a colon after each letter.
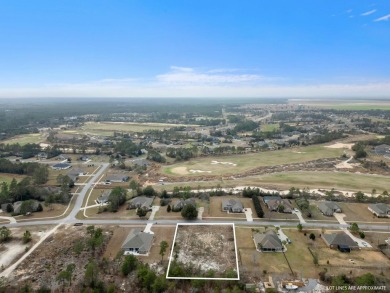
x: 258, y: 208
x: 189, y: 212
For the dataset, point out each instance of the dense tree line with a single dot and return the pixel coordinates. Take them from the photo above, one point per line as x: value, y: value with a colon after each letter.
x: 127, y: 147
x: 25, y: 151
x: 258, y: 208
x: 247, y: 125
x: 181, y: 154
x: 155, y: 156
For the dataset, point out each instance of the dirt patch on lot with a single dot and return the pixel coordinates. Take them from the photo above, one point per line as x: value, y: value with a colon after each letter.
x: 340, y: 145
x: 180, y: 171
x: 10, y: 251
x: 205, y: 248
x: 223, y: 163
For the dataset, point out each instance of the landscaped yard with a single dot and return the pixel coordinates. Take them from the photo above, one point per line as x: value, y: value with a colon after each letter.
x: 216, y: 207
x: 358, y: 212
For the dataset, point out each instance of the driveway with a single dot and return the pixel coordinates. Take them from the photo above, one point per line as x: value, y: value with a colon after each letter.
x: 300, y: 217
x: 359, y: 241
x: 248, y: 214
x: 154, y: 210
x: 200, y: 213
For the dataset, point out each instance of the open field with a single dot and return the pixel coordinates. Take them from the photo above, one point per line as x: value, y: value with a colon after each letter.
x: 6, y: 177
x: 238, y: 163
x: 108, y: 128
x: 25, y: 139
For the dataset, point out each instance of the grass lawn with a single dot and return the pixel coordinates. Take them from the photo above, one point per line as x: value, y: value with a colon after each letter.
x: 54, y: 210
x: 25, y: 139
x: 238, y: 163
x: 216, y: 207
x: 108, y: 128
x: 316, y: 214
x: 269, y: 127
x: 6, y: 177
x: 358, y: 212
x: 121, y: 214
x: 160, y: 234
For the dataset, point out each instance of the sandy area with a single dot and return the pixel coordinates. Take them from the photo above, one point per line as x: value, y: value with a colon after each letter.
x: 223, y: 163
x: 180, y: 170
x: 199, y: 171
x: 10, y: 251
x: 340, y: 145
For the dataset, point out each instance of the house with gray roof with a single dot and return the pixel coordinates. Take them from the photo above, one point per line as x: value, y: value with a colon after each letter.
x: 271, y: 197
x: 341, y: 241
x: 232, y: 206
x: 328, y: 208
x: 380, y: 210
x: 182, y: 203
x: 279, y: 205
x: 382, y: 150
x: 103, y: 198
x: 117, y: 178
x: 268, y: 242
x: 137, y: 242
x: 140, y: 202
x: 61, y: 166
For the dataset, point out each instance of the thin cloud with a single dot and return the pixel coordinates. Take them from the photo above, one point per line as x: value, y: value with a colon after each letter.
x: 383, y: 18
x: 186, y: 75
x: 368, y: 12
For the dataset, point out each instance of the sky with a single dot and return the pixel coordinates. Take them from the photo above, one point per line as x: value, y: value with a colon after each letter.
x: 195, y: 48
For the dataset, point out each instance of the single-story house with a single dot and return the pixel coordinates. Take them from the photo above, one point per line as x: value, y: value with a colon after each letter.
x: 140, y: 202
x: 279, y: 205
x: 341, y: 241
x: 84, y: 158
x: 137, y: 242
x: 380, y: 210
x: 33, y: 207
x: 182, y: 203
x: 103, y: 198
x: 117, y: 178
x: 271, y: 197
x: 63, y: 157
x: 232, y: 205
x: 268, y: 242
x: 42, y: 155
x: 53, y: 189
x: 328, y: 208
x: 382, y: 149
x: 61, y: 166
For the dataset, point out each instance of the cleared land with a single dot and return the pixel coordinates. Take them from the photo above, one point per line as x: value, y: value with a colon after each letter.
x: 240, y: 163
x: 25, y: 139
x: 204, y: 248
x: 108, y: 128
x: 6, y: 177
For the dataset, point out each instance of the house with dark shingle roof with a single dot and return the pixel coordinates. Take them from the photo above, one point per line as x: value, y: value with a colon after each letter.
x: 341, y: 241
x: 103, y: 198
x: 140, y: 202
x: 232, y: 205
x: 182, y: 203
x: 279, y: 205
x: 137, y: 242
x: 328, y: 208
x: 268, y: 242
x: 61, y: 166
x: 380, y: 210
x: 118, y: 178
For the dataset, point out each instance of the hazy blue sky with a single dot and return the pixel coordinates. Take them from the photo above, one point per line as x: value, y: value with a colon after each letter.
x: 194, y: 48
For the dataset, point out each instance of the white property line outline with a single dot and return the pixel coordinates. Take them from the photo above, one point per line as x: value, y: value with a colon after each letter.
x: 203, y: 278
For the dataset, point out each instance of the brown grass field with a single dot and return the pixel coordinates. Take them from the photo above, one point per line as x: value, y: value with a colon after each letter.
x: 358, y: 212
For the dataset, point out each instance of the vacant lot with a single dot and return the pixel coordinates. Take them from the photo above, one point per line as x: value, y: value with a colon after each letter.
x: 160, y: 234
x: 238, y: 163
x: 205, y: 248
x: 358, y: 212
x: 6, y: 177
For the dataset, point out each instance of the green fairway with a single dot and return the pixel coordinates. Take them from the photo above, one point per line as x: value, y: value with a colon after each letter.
x: 238, y: 163
x: 283, y: 181
x: 108, y: 128
x: 25, y: 139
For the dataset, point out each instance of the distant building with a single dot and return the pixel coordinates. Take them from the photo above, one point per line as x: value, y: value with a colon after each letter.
x: 268, y: 242
x: 103, y: 198
x: 380, y: 210
x: 327, y: 208
x: 117, y: 178
x: 232, y: 205
x: 340, y: 241
x: 137, y: 242
x: 61, y: 166
x: 140, y: 202
x: 42, y: 155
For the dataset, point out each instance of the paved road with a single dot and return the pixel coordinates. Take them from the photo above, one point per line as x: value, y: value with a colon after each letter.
x: 83, y: 192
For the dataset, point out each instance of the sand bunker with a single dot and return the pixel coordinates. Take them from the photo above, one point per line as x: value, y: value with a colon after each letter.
x: 180, y: 170
x: 199, y: 171
x: 340, y: 145
x: 223, y: 163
